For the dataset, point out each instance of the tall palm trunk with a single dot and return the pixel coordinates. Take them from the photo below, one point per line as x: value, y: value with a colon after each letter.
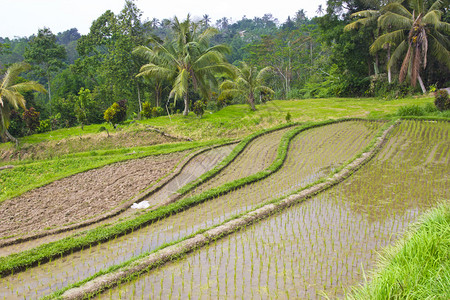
x: 251, y: 101
x: 388, y: 59
x: 8, y: 135
x: 186, y: 104
x: 422, y: 86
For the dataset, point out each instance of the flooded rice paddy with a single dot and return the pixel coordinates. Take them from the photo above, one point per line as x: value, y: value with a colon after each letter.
x: 323, y: 245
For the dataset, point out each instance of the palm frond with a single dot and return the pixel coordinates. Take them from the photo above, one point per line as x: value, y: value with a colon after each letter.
x: 437, y: 5
x: 432, y: 17
x: 396, y: 8
x: 394, y: 37
x: 14, y: 98
x: 444, y: 40
x: 395, y: 21
x: 13, y: 72
x: 366, y: 14
x: 181, y: 85
x: 443, y: 27
x: 29, y: 86
x: 227, y: 85
x: 261, y: 74
x: 218, y: 68
x: 207, y: 35
x: 397, y: 54
x: 152, y: 69
x: 439, y: 51
x: 222, y: 49
x: 144, y: 52
x: 361, y: 23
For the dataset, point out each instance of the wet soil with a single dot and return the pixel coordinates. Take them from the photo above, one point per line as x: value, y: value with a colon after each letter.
x: 308, y: 157
x: 82, y: 196
x: 322, y: 246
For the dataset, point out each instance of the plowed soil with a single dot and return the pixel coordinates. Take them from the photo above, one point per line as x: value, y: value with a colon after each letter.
x: 82, y: 196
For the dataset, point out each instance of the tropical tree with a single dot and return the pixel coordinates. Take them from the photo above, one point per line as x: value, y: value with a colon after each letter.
x: 10, y: 94
x: 186, y: 60
x: 414, y: 32
x: 46, y: 55
x: 248, y: 83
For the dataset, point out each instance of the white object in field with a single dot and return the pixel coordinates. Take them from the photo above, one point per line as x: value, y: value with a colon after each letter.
x: 140, y: 205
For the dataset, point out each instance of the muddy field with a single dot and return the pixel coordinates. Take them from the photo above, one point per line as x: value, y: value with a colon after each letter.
x: 82, y: 196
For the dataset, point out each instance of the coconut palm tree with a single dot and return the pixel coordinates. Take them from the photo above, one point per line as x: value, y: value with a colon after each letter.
x: 187, y: 60
x: 249, y: 82
x: 10, y: 94
x: 414, y: 32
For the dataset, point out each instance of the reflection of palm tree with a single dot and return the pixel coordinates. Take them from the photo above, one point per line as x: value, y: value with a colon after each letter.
x: 186, y: 60
x: 10, y: 94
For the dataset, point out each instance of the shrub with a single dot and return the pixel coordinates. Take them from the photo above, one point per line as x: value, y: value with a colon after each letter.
x: 410, y: 110
x: 44, y: 126
x: 442, y: 100
x: 199, y: 108
x: 157, y: 111
x: 288, y: 117
x: 31, y: 118
x: 224, y: 100
x: 146, y: 110
x: 116, y: 113
x: 16, y: 125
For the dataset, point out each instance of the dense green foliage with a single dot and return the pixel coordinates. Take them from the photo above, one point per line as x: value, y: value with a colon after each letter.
x: 352, y: 48
x: 442, y: 100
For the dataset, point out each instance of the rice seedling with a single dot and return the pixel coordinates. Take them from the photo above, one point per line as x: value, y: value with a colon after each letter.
x: 330, y: 240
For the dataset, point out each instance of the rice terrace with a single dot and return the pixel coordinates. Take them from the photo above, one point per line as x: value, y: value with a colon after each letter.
x: 303, y: 154
x: 298, y: 210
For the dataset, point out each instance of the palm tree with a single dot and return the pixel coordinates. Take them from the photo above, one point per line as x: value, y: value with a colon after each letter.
x: 186, y: 60
x: 414, y: 33
x: 10, y: 94
x: 248, y: 83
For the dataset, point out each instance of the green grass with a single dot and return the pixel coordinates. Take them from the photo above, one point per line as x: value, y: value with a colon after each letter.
x: 416, y: 267
x: 239, y: 120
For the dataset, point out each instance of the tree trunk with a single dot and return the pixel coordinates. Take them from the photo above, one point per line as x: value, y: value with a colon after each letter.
x: 375, y: 65
x: 13, y: 139
x: 157, y: 92
x: 388, y: 59
x: 49, y: 95
x: 186, y: 105
x: 139, y: 97
x: 422, y: 86
x: 251, y: 101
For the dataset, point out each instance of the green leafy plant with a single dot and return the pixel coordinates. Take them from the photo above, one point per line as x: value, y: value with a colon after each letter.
x: 146, y: 110
x: 116, y: 113
x: 31, y: 118
x: 199, y: 108
x: 442, y: 100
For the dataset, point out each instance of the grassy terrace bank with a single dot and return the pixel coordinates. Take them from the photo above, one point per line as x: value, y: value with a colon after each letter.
x: 417, y: 266
x: 238, y: 120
